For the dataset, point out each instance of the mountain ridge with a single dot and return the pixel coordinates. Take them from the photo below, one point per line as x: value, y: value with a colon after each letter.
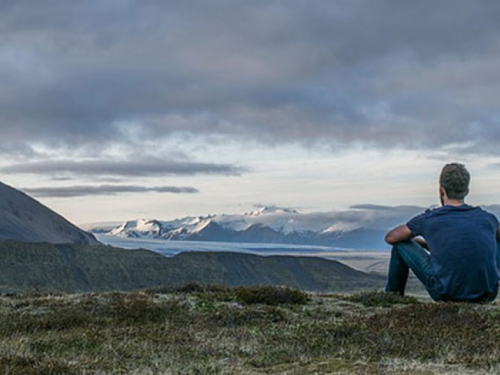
x: 23, y: 218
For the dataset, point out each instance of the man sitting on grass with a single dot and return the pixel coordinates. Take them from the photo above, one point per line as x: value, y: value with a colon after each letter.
x: 458, y: 257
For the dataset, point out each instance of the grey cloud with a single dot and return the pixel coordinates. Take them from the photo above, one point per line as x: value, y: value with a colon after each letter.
x: 81, y: 190
x: 374, y: 207
x: 148, y: 168
x: 387, y: 217
x: 375, y: 216
x: 17, y: 150
x: 377, y: 207
x: 367, y: 216
x: 420, y: 74
x: 62, y: 178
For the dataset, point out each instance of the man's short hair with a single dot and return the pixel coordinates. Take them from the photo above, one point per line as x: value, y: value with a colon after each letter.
x: 454, y: 179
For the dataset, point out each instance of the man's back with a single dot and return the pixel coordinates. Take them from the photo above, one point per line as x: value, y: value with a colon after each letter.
x: 462, y: 242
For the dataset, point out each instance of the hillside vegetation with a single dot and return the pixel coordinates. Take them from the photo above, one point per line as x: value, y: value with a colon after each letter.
x: 245, y: 330
x: 82, y: 268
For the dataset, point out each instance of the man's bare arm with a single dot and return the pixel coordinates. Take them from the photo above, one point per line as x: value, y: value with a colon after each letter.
x: 398, y: 234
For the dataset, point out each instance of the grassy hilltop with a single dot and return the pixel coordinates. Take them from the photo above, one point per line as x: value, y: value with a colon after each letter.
x: 245, y: 330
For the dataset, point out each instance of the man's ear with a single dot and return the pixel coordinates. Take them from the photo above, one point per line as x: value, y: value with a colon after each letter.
x: 442, y: 195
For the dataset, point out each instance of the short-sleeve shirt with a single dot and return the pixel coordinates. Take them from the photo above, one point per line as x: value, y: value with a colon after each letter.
x: 463, y: 245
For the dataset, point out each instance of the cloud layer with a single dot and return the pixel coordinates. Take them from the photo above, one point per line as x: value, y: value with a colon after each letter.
x: 126, y: 168
x: 421, y: 74
x: 81, y: 191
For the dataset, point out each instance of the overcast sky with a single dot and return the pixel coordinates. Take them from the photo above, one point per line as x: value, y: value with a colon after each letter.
x: 113, y: 110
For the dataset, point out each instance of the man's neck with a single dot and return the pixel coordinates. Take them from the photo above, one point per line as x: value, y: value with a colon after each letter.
x: 454, y: 202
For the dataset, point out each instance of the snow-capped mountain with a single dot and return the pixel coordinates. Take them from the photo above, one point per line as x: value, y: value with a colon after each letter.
x: 138, y: 228
x: 354, y: 229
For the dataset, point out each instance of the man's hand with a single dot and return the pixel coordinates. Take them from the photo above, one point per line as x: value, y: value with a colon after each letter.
x: 398, y: 234
x: 421, y: 242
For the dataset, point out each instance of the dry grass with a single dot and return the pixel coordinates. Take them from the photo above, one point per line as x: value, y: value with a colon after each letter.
x: 213, y: 330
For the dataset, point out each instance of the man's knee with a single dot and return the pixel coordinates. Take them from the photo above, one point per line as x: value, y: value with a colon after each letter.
x: 403, y: 246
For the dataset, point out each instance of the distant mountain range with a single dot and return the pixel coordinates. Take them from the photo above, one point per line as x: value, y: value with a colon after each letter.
x: 22, y: 218
x: 265, y: 225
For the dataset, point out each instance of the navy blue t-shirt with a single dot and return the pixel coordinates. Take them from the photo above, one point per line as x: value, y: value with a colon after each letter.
x: 462, y: 244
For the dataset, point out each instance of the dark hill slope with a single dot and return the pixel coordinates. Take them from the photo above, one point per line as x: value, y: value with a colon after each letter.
x: 309, y: 273
x: 76, y: 268
x: 80, y: 268
x: 22, y: 218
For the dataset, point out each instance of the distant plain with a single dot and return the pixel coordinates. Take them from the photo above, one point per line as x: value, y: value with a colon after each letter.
x: 367, y: 261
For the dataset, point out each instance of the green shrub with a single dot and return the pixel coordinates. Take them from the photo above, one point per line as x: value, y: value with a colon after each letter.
x: 188, y: 288
x: 267, y: 294
x: 270, y: 295
x: 382, y: 299
x: 196, y: 287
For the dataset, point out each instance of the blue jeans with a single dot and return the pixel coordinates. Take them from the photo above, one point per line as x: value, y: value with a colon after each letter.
x: 410, y: 255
